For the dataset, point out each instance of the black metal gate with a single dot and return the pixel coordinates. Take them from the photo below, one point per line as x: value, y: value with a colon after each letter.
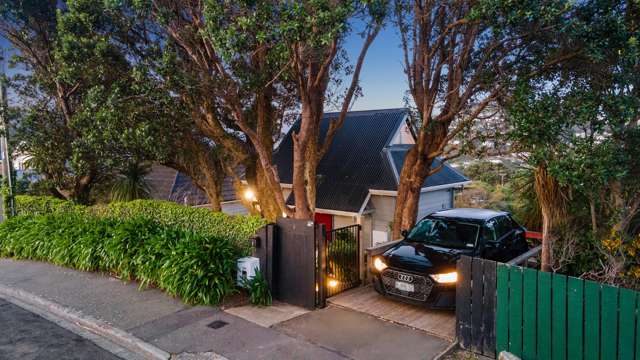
x: 343, y: 259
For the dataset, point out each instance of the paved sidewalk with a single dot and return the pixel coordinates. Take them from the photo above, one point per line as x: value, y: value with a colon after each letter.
x: 154, y: 317
x: 160, y: 324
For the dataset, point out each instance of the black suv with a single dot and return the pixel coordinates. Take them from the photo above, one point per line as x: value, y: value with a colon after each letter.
x: 421, y: 269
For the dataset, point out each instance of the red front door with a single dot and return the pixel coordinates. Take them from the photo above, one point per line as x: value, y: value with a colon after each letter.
x: 325, y: 219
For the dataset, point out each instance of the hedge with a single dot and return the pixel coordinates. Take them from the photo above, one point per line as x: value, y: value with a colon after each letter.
x: 40, y: 205
x: 238, y: 229
x: 198, y: 268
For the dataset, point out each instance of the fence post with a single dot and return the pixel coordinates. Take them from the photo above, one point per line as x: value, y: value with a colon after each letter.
x: 263, y: 250
x: 463, y: 304
x: 321, y: 266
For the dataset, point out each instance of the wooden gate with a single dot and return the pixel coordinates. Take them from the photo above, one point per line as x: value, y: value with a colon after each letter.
x: 343, y: 259
x: 476, y: 305
x: 288, y: 253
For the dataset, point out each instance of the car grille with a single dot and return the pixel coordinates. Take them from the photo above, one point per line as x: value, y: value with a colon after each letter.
x: 422, y: 284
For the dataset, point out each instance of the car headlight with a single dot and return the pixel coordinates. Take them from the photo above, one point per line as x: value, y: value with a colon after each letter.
x: 445, y: 278
x: 379, y: 264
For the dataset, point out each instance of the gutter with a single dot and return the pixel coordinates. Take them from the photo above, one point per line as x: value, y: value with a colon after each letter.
x: 423, y: 190
x: 337, y: 212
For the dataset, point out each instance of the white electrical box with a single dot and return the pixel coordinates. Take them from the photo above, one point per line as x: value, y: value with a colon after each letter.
x: 247, y: 267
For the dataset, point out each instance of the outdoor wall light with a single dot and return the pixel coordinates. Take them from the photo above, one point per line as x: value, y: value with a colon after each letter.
x: 445, y: 278
x: 333, y: 283
x: 379, y: 264
x: 249, y: 195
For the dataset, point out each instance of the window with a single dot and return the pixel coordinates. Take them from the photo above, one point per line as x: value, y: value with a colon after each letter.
x: 446, y: 233
x: 489, y: 230
x: 504, y: 226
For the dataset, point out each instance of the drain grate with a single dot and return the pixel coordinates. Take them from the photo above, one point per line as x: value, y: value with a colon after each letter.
x: 217, y: 324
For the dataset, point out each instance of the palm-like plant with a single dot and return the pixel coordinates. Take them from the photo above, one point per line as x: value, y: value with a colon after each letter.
x: 131, y: 183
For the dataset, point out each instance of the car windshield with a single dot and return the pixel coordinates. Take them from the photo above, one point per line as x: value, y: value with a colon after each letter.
x: 447, y: 233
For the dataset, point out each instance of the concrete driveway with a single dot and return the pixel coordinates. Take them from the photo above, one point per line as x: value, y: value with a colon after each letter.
x: 360, y: 336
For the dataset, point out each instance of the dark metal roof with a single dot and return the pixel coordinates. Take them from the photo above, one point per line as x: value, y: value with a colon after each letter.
x: 469, y: 213
x: 184, y: 191
x: 355, y: 162
x: 358, y: 160
x: 446, y: 175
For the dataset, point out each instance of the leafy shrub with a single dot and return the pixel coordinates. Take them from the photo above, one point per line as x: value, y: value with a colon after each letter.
x: 196, y: 267
x: 40, y: 205
x: 237, y: 229
x: 258, y: 288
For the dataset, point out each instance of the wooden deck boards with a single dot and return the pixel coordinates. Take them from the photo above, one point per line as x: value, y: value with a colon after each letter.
x: 365, y: 299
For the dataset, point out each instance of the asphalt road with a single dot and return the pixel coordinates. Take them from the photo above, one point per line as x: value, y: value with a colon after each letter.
x: 26, y: 336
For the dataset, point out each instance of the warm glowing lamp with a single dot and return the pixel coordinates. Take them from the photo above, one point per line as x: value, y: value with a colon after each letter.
x: 249, y: 195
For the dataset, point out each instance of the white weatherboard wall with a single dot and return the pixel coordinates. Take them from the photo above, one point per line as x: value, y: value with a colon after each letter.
x: 402, y: 136
x: 234, y: 208
x: 342, y: 221
x: 382, y: 216
x: 384, y: 206
x: 434, y: 201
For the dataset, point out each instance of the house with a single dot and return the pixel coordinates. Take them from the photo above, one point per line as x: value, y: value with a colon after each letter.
x: 19, y: 164
x: 357, y: 178
x: 168, y: 184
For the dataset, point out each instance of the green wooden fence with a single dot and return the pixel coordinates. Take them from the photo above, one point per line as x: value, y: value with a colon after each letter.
x: 549, y: 316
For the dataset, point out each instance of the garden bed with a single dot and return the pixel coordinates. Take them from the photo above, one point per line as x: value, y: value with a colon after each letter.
x: 187, y: 252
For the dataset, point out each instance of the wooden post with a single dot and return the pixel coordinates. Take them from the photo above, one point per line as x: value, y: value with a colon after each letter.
x: 4, y: 147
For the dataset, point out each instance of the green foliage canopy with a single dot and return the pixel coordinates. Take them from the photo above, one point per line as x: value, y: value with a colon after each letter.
x: 86, y: 110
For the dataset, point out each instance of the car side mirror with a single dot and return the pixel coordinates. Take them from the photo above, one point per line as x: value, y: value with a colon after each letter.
x: 404, y: 233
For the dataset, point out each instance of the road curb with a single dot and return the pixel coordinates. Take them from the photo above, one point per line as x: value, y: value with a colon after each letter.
x: 88, y: 322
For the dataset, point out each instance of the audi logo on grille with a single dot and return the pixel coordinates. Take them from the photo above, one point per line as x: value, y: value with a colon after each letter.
x: 405, y: 277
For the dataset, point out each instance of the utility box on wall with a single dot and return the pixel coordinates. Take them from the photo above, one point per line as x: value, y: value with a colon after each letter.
x: 247, y: 267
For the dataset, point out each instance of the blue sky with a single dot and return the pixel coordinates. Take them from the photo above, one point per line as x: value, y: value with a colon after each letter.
x: 382, y: 79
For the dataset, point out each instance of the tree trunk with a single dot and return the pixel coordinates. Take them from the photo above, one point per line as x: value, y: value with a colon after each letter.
x: 211, y: 182
x: 269, y: 206
x: 414, y: 173
x: 415, y: 170
x: 311, y: 172
x: 213, y: 196
x: 56, y: 193
x: 594, y: 219
x: 206, y: 171
x: 53, y: 190
x: 302, y: 140
x: 551, y: 203
x: 547, y: 242
x: 82, y: 189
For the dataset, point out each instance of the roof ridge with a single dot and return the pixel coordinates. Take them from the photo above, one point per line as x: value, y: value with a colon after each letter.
x: 367, y: 111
